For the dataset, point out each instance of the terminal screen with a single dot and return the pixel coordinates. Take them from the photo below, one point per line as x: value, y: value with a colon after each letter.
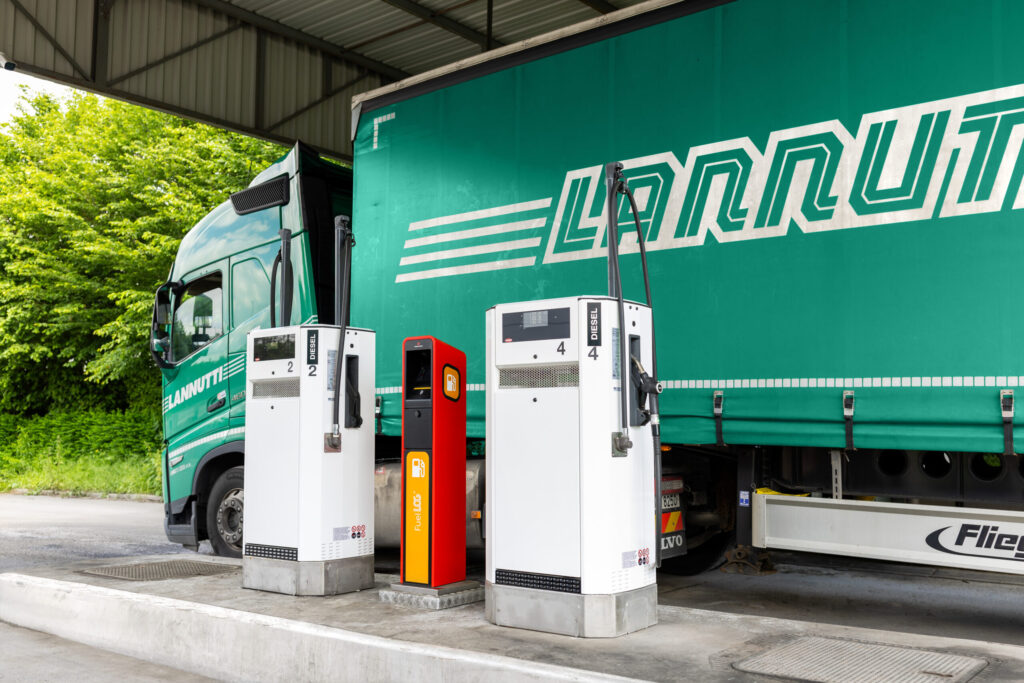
x: 551, y: 323
x: 273, y: 348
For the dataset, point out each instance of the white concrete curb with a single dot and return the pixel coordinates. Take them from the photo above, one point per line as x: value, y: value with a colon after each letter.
x: 234, y: 645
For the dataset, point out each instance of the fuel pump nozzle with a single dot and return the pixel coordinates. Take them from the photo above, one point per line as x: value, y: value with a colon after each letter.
x: 646, y: 386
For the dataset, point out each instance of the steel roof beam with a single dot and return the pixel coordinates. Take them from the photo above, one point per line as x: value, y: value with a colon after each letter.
x: 431, y: 17
x: 50, y: 39
x: 177, y: 53
x: 600, y: 5
x: 316, y: 103
x: 278, y: 29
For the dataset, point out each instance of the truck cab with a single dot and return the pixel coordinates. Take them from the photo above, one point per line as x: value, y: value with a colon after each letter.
x: 260, y: 259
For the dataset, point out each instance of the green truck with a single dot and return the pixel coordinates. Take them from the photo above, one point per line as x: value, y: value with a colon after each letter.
x: 830, y: 194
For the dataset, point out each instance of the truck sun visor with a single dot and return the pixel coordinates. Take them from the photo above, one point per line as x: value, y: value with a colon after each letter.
x: 274, y: 192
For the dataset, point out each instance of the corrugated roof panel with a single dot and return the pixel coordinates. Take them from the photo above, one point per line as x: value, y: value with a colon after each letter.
x: 28, y: 46
x: 294, y: 77
x: 225, y: 91
x: 217, y: 81
x: 421, y: 48
x: 534, y: 17
x: 342, y: 23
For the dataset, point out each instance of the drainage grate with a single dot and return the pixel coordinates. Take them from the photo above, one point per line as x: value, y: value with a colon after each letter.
x: 834, y: 660
x: 157, y: 571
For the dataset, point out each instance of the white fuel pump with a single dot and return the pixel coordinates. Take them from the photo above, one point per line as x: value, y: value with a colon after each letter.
x: 308, y: 486
x: 570, y: 512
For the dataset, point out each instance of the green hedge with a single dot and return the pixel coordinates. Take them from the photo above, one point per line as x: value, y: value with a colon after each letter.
x: 79, y: 451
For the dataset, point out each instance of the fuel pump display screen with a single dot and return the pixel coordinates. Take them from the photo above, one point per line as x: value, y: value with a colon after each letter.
x: 552, y: 323
x: 273, y: 348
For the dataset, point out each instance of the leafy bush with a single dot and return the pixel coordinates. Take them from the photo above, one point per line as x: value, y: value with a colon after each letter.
x: 95, y: 450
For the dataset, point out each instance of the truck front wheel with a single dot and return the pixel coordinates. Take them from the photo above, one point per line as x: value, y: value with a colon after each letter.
x: 224, y: 513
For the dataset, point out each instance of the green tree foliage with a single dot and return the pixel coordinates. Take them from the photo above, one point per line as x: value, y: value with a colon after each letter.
x: 95, y: 196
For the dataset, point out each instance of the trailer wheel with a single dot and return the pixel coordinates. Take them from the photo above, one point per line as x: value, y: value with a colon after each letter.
x: 225, y: 513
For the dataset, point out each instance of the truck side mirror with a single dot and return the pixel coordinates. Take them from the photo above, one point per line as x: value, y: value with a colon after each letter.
x: 161, y: 345
x: 159, y: 341
x: 163, y: 313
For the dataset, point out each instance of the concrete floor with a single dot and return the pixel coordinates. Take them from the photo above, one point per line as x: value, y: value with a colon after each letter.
x: 686, y: 644
x: 32, y: 656
x: 708, y: 620
x: 41, y: 531
x: 864, y: 593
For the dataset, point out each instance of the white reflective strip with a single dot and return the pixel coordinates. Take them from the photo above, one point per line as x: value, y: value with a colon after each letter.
x: 398, y: 390
x: 462, y: 270
x: 470, y: 251
x: 482, y: 213
x: 206, y: 439
x: 847, y: 382
x: 476, y: 232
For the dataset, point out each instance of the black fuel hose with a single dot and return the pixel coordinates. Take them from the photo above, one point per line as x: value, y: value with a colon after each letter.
x: 613, y: 175
x: 273, y: 289
x: 345, y: 255
x: 655, y: 415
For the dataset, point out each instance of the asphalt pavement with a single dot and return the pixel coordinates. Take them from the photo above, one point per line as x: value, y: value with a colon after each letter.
x: 40, y: 531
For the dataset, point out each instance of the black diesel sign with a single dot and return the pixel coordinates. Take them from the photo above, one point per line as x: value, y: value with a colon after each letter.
x: 593, y: 324
x: 313, y: 347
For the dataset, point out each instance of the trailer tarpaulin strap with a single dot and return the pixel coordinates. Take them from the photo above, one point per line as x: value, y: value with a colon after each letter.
x: 1006, y: 406
x: 848, y: 418
x: 718, y: 401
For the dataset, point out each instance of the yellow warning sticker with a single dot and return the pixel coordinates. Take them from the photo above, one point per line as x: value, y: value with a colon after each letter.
x: 671, y: 521
x: 452, y: 382
x: 416, y: 548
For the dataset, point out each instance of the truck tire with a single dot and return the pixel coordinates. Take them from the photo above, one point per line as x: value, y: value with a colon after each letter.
x: 225, y: 513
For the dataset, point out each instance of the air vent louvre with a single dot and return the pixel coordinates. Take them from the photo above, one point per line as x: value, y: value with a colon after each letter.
x: 540, y: 376
x: 548, y: 582
x: 263, y: 196
x: 276, y: 388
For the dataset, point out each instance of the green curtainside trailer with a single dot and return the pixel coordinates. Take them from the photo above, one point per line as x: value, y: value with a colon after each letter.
x: 830, y: 193
x: 831, y: 197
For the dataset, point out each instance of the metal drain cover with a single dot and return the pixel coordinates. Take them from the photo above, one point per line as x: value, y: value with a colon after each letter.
x: 834, y: 660
x: 157, y: 571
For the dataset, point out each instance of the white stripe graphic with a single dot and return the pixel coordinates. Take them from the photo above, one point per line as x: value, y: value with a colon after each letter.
x: 849, y: 382
x: 482, y: 213
x: 817, y: 383
x: 398, y: 390
x: 532, y: 224
x: 206, y: 439
x: 472, y: 268
x: 470, y: 251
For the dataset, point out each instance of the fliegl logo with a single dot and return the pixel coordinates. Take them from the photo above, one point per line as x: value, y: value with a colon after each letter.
x: 943, y: 158
x: 978, y: 540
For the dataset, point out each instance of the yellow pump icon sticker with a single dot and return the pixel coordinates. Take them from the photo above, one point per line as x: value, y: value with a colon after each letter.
x: 416, y: 551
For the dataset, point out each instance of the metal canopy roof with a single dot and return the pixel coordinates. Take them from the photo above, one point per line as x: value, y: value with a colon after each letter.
x: 278, y: 69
